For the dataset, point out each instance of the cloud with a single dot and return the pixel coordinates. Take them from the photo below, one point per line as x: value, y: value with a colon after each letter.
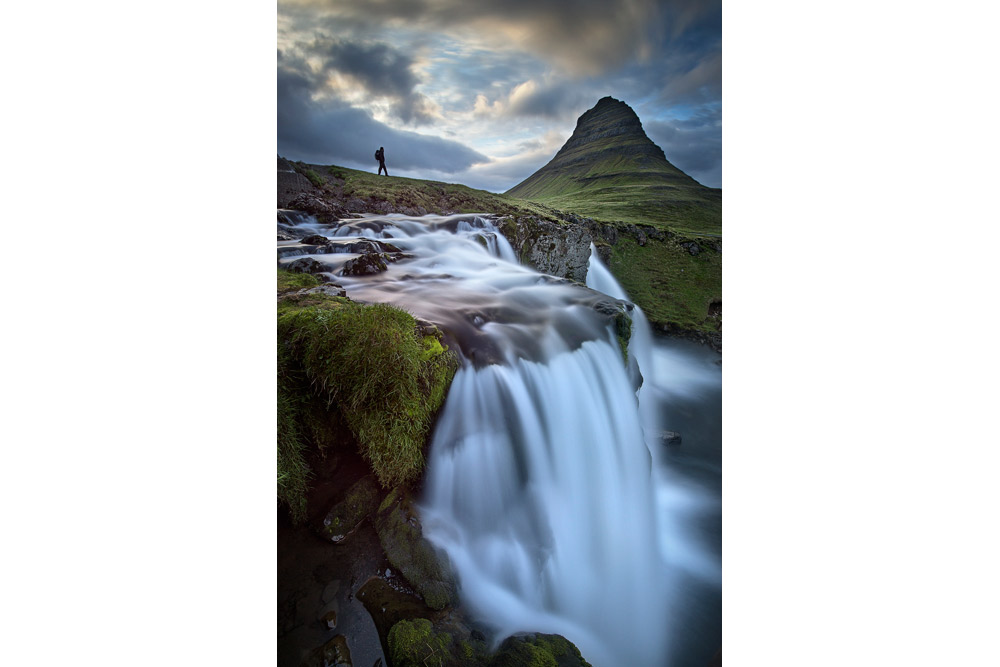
x: 693, y: 145
x: 703, y: 81
x: 332, y: 132
x: 554, y: 101
x: 586, y: 38
x: 383, y: 72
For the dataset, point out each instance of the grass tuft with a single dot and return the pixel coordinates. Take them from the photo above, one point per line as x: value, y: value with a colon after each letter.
x: 368, y: 363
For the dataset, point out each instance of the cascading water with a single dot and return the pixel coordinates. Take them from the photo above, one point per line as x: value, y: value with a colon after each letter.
x: 545, y: 484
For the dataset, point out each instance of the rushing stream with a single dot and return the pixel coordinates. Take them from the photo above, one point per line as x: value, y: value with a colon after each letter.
x: 549, y: 484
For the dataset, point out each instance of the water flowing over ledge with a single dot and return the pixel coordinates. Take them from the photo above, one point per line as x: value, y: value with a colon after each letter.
x: 547, y: 485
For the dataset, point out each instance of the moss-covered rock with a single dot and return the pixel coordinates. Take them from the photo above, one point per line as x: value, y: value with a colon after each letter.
x: 401, y: 535
x: 416, y: 644
x: 344, y: 517
x: 370, y: 365
x: 538, y: 650
x: 623, y: 332
x: 289, y: 281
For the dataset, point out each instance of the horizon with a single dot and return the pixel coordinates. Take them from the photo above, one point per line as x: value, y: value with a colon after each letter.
x: 485, y: 95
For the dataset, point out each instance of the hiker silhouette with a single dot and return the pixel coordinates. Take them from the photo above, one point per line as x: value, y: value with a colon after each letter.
x: 380, y: 156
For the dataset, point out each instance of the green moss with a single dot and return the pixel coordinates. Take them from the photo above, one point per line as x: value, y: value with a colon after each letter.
x: 672, y: 286
x: 538, y: 651
x: 525, y: 655
x: 314, y: 178
x: 623, y: 331
x: 368, y: 362
x: 415, y: 644
x: 288, y: 281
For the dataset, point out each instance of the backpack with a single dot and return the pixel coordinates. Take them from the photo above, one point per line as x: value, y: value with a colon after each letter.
x: 378, y: 155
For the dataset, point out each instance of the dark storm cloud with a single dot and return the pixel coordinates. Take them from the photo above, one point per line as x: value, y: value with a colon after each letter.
x: 693, y: 145
x: 331, y: 132
x: 382, y: 70
x: 587, y: 36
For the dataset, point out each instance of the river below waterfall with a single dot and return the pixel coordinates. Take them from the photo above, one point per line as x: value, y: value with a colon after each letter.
x: 553, y: 482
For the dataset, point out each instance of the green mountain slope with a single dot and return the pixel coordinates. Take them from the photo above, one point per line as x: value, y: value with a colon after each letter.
x: 610, y: 170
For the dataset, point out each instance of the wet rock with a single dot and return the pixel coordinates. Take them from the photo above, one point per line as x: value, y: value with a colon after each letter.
x: 369, y: 246
x: 538, y: 649
x: 325, y: 211
x: 365, y: 265
x: 284, y: 235
x: 305, y: 265
x: 355, y: 204
x: 329, y: 289
x: 603, y: 253
x: 427, y: 328
x: 335, y: 653
x: 415, y: 643
x: 315, y: 239
x: 670, y: 438
x: 401, y: 536
x: 344, y: 517
x: 388, y: 606
x: 558, y: 250
x: 330, y: 619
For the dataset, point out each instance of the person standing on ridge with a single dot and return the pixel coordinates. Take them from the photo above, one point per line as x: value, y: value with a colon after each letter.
x: 380, y: 156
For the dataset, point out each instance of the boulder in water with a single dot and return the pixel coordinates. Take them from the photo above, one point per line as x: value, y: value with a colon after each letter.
x: 538, y: 649
x: 365, y: 265
x: 305, y: 265
x: 670, y: 438
x: 315, y: 239
x: 402, y: 539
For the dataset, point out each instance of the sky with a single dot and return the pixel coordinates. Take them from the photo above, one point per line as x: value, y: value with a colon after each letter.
x: 485, y: 93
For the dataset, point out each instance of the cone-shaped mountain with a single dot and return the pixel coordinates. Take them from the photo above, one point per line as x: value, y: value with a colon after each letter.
x: 609, y: 169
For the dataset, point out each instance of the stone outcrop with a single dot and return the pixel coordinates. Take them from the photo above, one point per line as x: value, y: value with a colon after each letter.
x: 291, y: 184
x: 558, y: 250
x: 365, y: 265
x: 402, y: 538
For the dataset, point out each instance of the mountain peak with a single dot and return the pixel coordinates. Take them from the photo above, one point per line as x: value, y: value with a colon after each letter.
x: 609, y: 161
x: 610, y: 118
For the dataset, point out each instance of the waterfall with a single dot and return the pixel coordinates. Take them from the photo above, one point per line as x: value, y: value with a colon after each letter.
x: 546, y: 484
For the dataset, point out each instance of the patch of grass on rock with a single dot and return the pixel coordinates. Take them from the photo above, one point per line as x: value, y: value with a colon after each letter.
x: 369, y: 363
